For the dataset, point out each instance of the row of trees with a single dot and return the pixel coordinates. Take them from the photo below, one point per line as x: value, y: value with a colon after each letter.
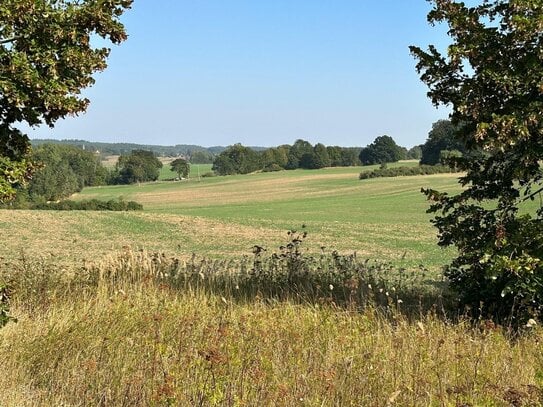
x: 66, y: 169
x: 63, y: 170
x: 238, y: 159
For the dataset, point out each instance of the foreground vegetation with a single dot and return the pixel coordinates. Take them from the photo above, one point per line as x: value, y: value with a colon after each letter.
x: 140, y: 329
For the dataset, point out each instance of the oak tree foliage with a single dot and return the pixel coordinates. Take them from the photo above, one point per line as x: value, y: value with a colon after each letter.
x: 181, y: 167
x: 383, y: 150
x: 47, y: 57
x: 138, y: 166
x: 492, y: 77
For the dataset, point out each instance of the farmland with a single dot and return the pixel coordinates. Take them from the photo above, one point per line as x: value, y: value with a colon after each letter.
x: 104, y: 320
x: 219, y: 217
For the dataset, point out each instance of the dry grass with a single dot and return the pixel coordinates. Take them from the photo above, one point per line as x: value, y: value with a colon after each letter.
x: 67, y: 238
x: 134, y: 341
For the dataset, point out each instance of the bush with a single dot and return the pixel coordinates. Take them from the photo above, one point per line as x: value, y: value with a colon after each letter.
x: 272, y: 168
x: 498, y: 280
x: 89, y: 205
x: 406, y: 171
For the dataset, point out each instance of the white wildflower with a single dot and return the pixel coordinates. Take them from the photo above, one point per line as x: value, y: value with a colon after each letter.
x: 531, y: 323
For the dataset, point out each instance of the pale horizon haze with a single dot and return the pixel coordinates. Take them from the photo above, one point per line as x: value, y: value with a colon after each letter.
x: 262, y: 73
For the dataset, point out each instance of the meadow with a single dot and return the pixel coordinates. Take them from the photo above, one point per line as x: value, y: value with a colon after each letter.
x: 218, y: 217
x: 169, y: 306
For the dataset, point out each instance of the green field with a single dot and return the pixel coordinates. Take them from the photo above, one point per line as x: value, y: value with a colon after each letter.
x: 196, y: 170
x: 382, y: 219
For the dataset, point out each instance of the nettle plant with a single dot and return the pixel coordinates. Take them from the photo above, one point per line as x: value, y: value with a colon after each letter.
x: 492, y: 77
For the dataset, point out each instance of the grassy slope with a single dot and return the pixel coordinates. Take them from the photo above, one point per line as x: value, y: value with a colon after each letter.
x: 380, y: 218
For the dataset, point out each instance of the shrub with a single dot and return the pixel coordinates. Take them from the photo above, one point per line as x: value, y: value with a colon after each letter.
x: 89, y: 205
x: 272, y: 168
x: 405, y: 171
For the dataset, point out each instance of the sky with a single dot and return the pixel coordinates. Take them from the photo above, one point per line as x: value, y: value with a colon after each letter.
x: 262, y: 73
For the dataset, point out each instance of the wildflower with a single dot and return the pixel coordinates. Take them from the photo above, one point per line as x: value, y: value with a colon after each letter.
x: 369, y: 286
x: 531, y: 323
x: 331, y: 287
x: 400, y: 301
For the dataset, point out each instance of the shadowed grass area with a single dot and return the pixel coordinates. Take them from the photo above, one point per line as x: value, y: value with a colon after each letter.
x: 130, y: 331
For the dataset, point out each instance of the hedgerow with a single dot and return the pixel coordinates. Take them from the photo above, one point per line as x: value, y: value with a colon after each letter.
x: 406, y: 171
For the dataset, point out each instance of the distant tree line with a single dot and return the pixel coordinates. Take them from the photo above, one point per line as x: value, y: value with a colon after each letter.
x: 238, y: 159
x: 196, y: 154
x: 65, y: 169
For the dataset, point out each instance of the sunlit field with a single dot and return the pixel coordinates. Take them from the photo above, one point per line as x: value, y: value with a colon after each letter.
x: 381, y: 218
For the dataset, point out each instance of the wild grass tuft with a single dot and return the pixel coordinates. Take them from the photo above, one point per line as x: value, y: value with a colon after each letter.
x: 279, y: 329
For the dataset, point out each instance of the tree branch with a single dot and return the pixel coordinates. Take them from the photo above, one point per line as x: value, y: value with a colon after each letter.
x: 532, y: 195
x: 8, y: 40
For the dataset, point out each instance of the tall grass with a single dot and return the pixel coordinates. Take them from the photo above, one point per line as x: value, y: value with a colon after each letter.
x: 144, y: 329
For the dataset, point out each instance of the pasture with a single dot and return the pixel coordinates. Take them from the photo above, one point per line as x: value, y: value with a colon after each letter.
x: 382, y: 219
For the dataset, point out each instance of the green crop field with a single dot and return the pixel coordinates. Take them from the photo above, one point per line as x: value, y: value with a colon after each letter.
x: 382, y: 218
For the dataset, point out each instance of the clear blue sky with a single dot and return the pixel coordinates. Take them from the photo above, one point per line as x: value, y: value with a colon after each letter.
x: 262, y: 72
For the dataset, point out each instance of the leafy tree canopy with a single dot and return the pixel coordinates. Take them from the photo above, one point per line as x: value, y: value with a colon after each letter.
x: 236, y: 159
x: 46, y: 59
x: 383, y: 150
x: 63, y: 171
x: 138, y: 166
x: 181, y: 167
x: 442, y: 137
x: 492, y: 76
x: 296, y: 152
